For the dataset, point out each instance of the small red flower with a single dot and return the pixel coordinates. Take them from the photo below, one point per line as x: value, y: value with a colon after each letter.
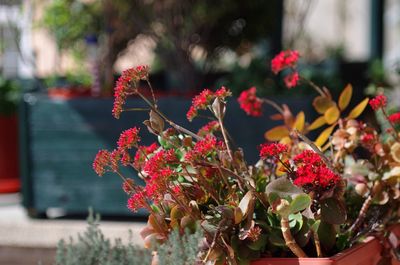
x: 123, y: 86
x: 395, y: 118
x: 250, y: 103
x: 202, y: 148
x: 378, y: 102
x: 284, y: 59
x: 101, y: 161
x: 128, y: 185
x: 137, y: 201
x: 209, y: 128
x: 222, y: 92
x: 128, y: 138
x: 292, y: 80
x: 367, y: 138
x: 200, y: 102
x: 270, y: 150
x: 142, y: 153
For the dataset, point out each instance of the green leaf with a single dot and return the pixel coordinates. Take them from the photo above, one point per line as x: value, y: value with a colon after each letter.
x: 283, y: 187
x: 333, y: 211
x: 315, y: 225
x: 299, y: 203
x: 327, y: 235
x: 303, y: 236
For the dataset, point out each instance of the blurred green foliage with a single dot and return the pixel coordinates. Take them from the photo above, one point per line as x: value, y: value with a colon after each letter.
x: 10, y: 93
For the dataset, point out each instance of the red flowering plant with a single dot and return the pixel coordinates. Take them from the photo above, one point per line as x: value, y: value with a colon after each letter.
x: 302, y: 198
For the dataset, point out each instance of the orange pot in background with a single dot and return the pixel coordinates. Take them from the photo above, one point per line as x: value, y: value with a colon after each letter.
x: 9, y: 171
x: 367, y: 253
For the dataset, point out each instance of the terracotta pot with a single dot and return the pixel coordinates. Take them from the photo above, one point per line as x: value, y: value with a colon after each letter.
x: 367, y: 253
x: 9, y: 179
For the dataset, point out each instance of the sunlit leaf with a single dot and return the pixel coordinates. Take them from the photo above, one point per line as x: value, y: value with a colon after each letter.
x: 323, y: 137
x: 345, y: 97
x: 321, y: 104
x: 332, y: 115
x: 317, y: 123
x: 358, y: 109
x: 246, y: 205
x: 299, y: 203
x: 283, y: 187
x: 277, y: 133
x: 299, y: 122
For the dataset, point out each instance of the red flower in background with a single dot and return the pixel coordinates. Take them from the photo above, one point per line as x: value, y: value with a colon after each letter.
x: 128, y: 138
x: 285, y: 59
x: 272, y: 150
x: 209, y: 128
x: 395, y: 117
x: 123, y: 86
x: 378, y: 102
x: 291, y: 80
x: 250, y: 103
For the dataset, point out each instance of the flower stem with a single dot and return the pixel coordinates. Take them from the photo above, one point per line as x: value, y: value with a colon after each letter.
x: 314, y: 86
x: 273, y: 104
x: 361, y: 216
x: 289, y: 240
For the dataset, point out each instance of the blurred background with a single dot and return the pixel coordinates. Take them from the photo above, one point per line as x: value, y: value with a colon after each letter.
x: 59, y: 60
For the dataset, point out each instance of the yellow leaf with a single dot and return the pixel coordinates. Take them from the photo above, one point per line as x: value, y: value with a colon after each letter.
x: 345, y: 97
x: 317, y: 123
x: 326, y: 146
x: 321, y: 104
x: 286, y: 140
x: 277, y: 133
x: 299, y: 122
x: 323, y: 137
x: 332, y: 115
x: 358, y: 109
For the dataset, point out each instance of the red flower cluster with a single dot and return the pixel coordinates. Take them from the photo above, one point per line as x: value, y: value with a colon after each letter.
x: 128, y: 185
x: 128, y: 138
x: 250, y: 103
x: 395, y: 118
x: 312, y: 173
x: 201, y: 101
x: 202, y: 148
x: 284, y: 59
x: 137, y: 201
x: 291, y: 80
x: 209, y: 128
x: 142, y: 153
x: 123, y: 86
x: 378, y: 102
x: 270, y: 150
x: 103, y: 160
x: 367, y: 138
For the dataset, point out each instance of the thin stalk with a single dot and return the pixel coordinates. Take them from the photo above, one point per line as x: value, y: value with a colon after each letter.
x: 136, y: 109
x: 273, y: 104
x: 289, y: 240
x: 313, y: 85
x: 317, y: 244
x: 361, y: 215
x: 176, y: 126
x: 396, y: 137
x: 152, y: 92
x: 226, y: 139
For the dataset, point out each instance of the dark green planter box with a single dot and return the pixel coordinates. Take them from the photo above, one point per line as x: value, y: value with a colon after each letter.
x: 60, y: 138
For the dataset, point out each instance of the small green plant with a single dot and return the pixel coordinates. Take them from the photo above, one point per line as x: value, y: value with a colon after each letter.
x: 93, y: 248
